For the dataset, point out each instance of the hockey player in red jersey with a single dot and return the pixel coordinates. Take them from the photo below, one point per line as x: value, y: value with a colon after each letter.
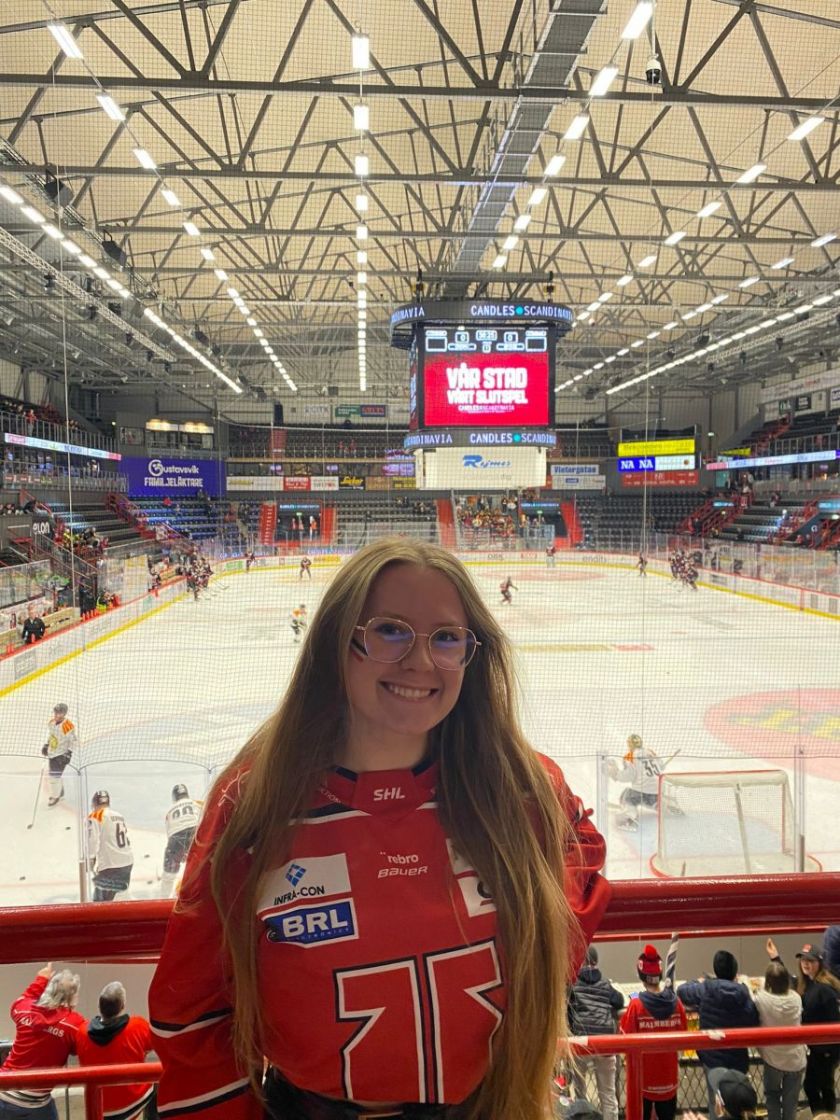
x: 47, y: 1028
x: 389, y: 890
x: 655, y: 1008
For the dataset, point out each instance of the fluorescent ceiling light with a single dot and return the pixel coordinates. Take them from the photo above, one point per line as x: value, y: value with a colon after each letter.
x: 171, y: 197
x: 806, y: 128
x: 750, y: 280
x: 65, y: 40
x: 675, y: 238
x: 637, y: 343
x: 33, y: 215
x: 233, y: 293
x: 654, y: 334
x: 598, y: 365
x: 584, y: 315
x: 767, y: 323
x: 577, y: 128
x: 259, y: 333
x: 604, y: 296
x: 818, y: 244
x: 783, y: 263
x: 102, y: 273
x: 221, y: 274
x: 721, y: 298
x: 72, y: 248
x: 361, y: 202
x: 361, y: 117
x: 624, y: 280
x: 53, y: 231
x: 113, y: 283
x: 703, y: 308
x: 537, y: 195
x: 361, y: 257
x: 510, y: 242
x: 144, y: 159
x: 594, y: 306
x: 521, y: 223
x: 361, y: 165
x: 621, y: 353
x: 11, y: 196
x: 110, y: 107
x: 670, y: 326
x: 689, y: 315
x: 500, y: 261
x: 207, y: 253
x: 361, y: 233
x: 607, y: 361
x: 360, y: 52
x: 752, y: 173
x: 87, y: 261
x: 820, y: 301
x: 554, y: 165
x: 192, y: 229
x: 361, y: 278
x: 603, y: 80
x: 638, y: 20
x: 646, y: 262
x: 708, y: 209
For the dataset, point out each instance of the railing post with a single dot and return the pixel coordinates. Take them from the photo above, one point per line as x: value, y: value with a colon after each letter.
x: 93, y: 1102
x: 633, y: 1086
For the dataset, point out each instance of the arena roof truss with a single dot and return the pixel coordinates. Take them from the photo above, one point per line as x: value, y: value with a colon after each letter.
x: 198, y: 148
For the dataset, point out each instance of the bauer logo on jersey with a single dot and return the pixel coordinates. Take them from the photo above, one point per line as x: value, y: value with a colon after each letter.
x: 476, y: 897
x: 314, y: 925
x: 316, y: 877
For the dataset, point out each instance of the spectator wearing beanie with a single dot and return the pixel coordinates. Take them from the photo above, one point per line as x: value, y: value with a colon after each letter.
x: 735, y: 1097
x: 723, y: 1003
x: 820, y: 992
x: 779, y: 1005
x: 653, y: 1009
x: 593, y: 1006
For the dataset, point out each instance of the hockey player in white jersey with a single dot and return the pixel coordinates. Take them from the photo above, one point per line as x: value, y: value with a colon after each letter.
x: 181, y: 823
x: 109, y: 848
x: 641, y: 771
x: 58, y: 750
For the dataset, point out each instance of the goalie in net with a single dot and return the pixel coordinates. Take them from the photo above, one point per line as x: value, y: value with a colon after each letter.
x: 641, y: 772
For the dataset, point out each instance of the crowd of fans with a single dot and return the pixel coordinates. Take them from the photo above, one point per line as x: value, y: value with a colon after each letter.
x: 30, y: 414
x: 485, y: 521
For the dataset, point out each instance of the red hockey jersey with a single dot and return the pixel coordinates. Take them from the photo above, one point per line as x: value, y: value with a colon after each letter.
x: 653, y: 1011
x: 377, y: 956
x: 44, y: 1037
x: 126, y: 1039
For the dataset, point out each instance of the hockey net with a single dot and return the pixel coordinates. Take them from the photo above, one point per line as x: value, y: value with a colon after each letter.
x: 738, y: 822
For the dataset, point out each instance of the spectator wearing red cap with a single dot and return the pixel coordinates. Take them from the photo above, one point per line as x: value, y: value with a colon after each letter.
x: 653, y: 1009
x: 820, y: 991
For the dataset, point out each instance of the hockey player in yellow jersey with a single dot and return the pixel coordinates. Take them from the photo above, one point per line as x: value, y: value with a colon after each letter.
x: 58, y: 750
x: 109, y: 848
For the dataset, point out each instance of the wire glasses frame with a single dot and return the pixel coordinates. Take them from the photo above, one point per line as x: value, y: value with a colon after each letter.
x: 389, y: 640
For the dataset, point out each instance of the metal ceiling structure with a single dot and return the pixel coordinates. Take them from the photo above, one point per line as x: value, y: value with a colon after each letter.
x: 476, y: 182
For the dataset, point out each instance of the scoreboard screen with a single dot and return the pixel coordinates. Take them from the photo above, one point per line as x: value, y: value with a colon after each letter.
x: 486, y: 376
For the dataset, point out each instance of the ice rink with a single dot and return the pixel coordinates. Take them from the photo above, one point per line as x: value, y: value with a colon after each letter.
x: 712, y: 681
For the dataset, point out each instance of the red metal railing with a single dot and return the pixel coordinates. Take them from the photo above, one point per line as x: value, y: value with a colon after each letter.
x: 132, y: 932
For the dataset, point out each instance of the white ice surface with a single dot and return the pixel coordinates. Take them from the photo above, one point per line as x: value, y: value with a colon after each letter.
x: 601, y: 653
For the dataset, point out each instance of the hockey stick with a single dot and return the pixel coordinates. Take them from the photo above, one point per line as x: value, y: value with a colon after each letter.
x: 671, y: 961
x: 37, y: 798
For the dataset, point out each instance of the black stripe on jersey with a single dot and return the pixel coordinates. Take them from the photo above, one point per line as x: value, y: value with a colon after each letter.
x: 132, y: 1109
x: 156, y: 1024
x: 190, y: 1109
x: 330, y: 810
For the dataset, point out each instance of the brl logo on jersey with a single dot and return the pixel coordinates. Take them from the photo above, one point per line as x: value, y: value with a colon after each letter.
x: 331, y: 917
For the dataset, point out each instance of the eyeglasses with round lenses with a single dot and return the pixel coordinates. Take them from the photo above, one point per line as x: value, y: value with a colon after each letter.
x: 390, y: 640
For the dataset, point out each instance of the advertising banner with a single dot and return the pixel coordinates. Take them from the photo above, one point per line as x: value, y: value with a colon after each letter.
x: 834, y: 398
x: 658, y: 463
x: 324, y: 482
x: 575, y: 468
x: 254, y: 483
x: 183, y: 478
x: 657, y: 447
x: 378, y: 410
x: 811, y: 382
x: 351, y: 482
x: 464, y: 390
x: 319, y: 412
x: 296, y: 482
x: 660, y: 478
x: 578, y: 482
x: 512, y: 468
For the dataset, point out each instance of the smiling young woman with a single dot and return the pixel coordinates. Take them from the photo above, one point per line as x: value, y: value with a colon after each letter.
x: 390, y: 889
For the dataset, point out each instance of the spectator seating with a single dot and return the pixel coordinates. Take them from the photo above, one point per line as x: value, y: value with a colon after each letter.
x: 606, y: 519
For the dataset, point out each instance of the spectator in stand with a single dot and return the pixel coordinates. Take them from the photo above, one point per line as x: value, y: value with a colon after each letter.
x: 779, y: 1006
x: 593, y: 1009
x: 735, y: 1097
x: 653, y: 1009
x: 723, y: 1003
x: 33, y: 628
x: 114, y: 1037
x: 47, y: 1028
x: 831, y: 950
x: 819, y: 990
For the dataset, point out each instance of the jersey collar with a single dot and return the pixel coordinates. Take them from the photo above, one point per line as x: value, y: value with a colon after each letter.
x: 381, y: 792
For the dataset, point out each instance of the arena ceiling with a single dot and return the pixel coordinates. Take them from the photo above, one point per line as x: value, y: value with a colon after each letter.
x: 243, y: 112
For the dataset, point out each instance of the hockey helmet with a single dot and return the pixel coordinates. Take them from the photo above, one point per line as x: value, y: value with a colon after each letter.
x: 634, y: 742
x: 101, y: 797
x: 302, y: 606
x: 179, y: 792
x: 61, y: 709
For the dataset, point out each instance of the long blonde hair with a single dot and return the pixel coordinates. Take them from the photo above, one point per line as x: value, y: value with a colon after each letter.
x: 496, y: 804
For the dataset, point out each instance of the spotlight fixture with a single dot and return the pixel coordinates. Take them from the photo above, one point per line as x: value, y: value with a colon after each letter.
x: 57, y: 190
x: 111, y: 249
x: 49, y: 281
x: 89, y: 312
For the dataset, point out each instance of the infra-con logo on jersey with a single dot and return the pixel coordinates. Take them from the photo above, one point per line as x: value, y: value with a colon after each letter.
x: 295, y: 873
x: 314, y: 925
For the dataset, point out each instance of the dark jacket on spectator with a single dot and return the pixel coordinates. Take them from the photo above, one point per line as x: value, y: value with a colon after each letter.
x: 831, y: 948
x: 593, y: 1003
x: 33, y: 630
x: 722, y: 1004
